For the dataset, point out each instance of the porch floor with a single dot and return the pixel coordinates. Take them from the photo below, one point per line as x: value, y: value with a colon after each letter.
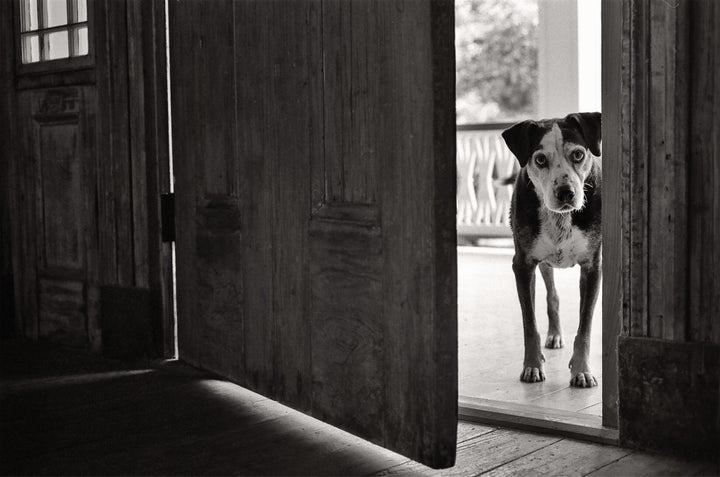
x: 491, y: 335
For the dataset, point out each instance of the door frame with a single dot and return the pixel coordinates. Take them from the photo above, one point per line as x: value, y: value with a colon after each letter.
x: 616, y: 27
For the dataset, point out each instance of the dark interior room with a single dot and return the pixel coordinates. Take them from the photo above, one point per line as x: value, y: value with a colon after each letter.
x: 229, y: 245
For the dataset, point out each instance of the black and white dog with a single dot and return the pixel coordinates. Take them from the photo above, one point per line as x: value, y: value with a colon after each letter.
x: 555, y: 219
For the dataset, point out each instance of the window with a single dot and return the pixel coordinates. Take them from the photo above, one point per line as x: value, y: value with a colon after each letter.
x: 53, y: 29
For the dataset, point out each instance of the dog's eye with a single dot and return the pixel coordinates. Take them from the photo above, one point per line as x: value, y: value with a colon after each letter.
x: 578, y: 155
x: 541, y: 160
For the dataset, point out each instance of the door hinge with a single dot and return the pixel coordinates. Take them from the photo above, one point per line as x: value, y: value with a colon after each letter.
x: 167, y: 216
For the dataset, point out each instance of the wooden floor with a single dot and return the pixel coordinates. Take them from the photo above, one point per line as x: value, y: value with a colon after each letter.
x: 490, y: 335
x: 66, y: 412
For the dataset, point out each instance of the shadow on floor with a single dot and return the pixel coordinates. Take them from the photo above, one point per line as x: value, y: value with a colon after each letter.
x: 66, y: 412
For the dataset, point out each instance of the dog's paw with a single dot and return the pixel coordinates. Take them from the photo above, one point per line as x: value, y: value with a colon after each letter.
x: 554, y: 341
x: 583, y: 380
x: 532, y: 374
x: 580, y: 374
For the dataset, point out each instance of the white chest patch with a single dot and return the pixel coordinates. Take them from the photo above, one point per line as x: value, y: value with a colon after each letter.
x: 559, y: 243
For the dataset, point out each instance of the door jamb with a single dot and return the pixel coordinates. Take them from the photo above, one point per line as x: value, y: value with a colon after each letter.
x: 613, y: 23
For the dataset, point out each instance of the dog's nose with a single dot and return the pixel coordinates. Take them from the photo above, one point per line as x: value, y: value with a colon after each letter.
x: 565, y: 194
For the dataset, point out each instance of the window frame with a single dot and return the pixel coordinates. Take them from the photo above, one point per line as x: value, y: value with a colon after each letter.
x: 71, y: 63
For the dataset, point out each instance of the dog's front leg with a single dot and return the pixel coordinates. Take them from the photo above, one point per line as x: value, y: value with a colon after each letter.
x: 554, y: 335
x: 525, y: 281
x: 580, y: 374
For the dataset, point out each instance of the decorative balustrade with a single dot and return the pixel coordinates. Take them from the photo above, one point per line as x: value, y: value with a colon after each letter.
x: 483, y: 208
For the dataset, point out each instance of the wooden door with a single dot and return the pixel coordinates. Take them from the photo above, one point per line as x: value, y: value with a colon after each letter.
x: 314, y: 147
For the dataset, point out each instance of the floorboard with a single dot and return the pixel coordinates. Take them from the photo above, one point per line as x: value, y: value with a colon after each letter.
x: 639, y: 465
x: 482, y: 453
x: 567, y: 458
x: 64, y: 412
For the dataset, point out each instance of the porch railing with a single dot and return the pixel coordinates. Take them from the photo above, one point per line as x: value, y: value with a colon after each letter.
x: 482, y: 207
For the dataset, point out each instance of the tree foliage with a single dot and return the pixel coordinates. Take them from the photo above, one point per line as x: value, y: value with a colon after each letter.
x: 497, y: 64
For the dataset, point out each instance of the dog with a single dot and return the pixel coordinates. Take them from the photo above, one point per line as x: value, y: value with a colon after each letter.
x: 555, y: 218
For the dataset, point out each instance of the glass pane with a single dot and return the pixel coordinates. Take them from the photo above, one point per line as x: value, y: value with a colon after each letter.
x: 28, y: 13
x: 30, y: 49
x: 56, y: 45
x: 81, y: 8
x: 55, y: 13
x: 81, y: 41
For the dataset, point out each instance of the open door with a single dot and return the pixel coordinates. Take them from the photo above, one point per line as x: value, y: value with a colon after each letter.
x: 314, y: 147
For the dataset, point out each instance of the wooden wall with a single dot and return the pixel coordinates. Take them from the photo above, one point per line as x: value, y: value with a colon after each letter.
x: 675, y: 194
x: 7, y: 299
x: 668, y: 111
x: 133, y: 134
x: 87, y: 164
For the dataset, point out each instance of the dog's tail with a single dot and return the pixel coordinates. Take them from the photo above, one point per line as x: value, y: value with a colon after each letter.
x: 504, y: 181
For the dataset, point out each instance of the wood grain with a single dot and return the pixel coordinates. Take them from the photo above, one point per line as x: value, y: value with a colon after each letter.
x: 668, y: 88
x: 156, y: 135
x: 421, y: 336
x: 82, y: 190
x: 25, y: 262
x: 337, y: 239
x: 289, y: 123
x: 61, y: 189
x: 669, y: 236
x: 350, y: 88
x: 704, y: 299
x: 482, y: 454
x: 9, y: 318
x: 118, y: 152
x: 646, y: 465
x: 137, y: 140
x: 614, y: 95
x: 659, y: 160
x: 254, y: 126
x: 70, y: 412
x: 562, y: 458
x: 638, y: 203
x: 673, y: 93
x: 190, y: 182
x: 669, y: 396
x: 58, y: 177
x: 107, y: 238
x: 347, y: 326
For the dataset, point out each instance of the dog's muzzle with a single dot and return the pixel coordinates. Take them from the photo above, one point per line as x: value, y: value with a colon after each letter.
x: 565, y: 199
x: 565, y: 194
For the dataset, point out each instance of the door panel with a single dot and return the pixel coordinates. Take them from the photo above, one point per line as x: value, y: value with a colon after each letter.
x: 58, y: 170
x: 314, y: 156
x: 61, y: 193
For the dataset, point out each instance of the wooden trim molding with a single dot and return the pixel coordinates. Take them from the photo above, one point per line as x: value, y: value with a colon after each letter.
x: 536, y: 418
x: 615, y: 25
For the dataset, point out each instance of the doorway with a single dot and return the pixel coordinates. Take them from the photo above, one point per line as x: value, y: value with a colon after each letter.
x: 516, y: 60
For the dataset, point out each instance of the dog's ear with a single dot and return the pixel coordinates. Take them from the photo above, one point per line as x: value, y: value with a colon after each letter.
x: 520, y: 138
x: 589, y: 125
